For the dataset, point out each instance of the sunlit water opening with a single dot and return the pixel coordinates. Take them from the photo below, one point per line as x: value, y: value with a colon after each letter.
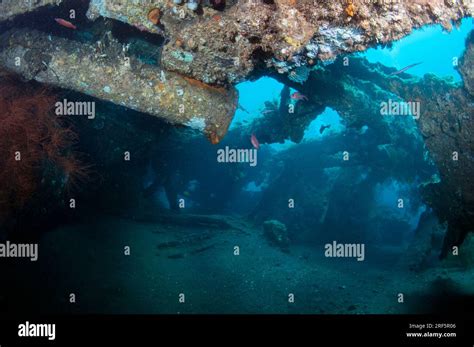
x: 435, y: 48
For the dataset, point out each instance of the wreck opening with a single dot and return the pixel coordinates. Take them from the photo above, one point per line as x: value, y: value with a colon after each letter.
x: 307, y: 144
x: 428, y: 38
x: 396, y: 135
x: 251, y: 103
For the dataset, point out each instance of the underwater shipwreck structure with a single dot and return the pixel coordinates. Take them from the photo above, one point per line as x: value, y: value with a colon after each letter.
x: 445, y: 124
x: 211, y: 45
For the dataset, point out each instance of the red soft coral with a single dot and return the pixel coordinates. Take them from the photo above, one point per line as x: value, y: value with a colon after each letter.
x: 29, y: 128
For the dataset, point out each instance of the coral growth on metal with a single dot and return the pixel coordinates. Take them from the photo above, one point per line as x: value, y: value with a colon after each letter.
x: 223, y: 42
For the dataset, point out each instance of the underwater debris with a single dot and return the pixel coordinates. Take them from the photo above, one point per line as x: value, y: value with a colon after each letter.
x: 188, y: 241
x: 423, y: 251
x: 120, y: 81
x: 191, y: 220
x: 191, y: 252
x: 176, y: 256
x: 277, y: 234
x: 168, y: 244
x: 203, y: 249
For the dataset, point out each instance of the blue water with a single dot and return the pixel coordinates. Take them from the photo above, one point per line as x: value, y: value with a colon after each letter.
x: 387, y: 195
x: 431, y: 45
x: 328, y: 117
x: 252, y: 96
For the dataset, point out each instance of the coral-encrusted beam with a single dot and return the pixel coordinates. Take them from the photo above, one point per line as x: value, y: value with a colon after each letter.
x: 108, y: 74
x: 11, y: 8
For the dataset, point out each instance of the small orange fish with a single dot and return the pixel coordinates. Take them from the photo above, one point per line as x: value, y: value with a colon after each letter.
x: 65, y: 23
x: 254, y: 141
